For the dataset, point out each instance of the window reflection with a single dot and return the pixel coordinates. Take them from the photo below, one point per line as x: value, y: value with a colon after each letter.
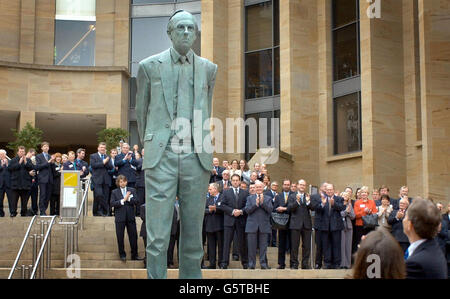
x: 347, y: 124
x: 259, y: 74
x: 345, y: 52
x: 74, y: 43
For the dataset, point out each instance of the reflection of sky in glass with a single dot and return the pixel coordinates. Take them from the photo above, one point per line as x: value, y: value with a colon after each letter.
x: 67, y: 35
x: 149, y: 37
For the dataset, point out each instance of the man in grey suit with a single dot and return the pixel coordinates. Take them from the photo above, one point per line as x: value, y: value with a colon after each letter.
x: 174, y: 99
x: 258, y: 208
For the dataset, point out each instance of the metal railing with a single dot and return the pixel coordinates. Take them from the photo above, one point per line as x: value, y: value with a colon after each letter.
x: 71, y: 228
x: 42, y: 242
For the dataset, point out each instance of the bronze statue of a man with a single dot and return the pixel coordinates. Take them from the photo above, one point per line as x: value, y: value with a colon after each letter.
x: 174, y: 98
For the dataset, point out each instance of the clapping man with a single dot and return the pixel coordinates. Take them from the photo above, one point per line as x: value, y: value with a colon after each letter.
x: 280, y: 205
x: 123, y: 199
x: 300, y: 225
x: 216, y: 172
x: 233, y: 204
x: 101, y: 164
x: 330, y: 226
x: 258, y: 208
x: 20, y: 166
x: 396, y: 220
x: 5, y: 181
x: 83, y: 166
x: 45, y: 177
x: 214, y: 224
x: 225, y: 182
x: 127, y: 163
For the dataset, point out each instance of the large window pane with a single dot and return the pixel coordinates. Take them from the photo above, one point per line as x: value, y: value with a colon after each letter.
x: 345, y: 52
x: 347, y: 124
x: 259, y: 26
x: 344, y: 12
x: 267, y: 116
x: 259, y: 74
x: 74, y: 43
x: 79, y: 10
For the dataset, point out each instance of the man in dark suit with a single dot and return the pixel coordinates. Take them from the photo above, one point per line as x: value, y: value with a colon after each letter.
x: 272, y: 192
x: 403, y: 192
x: 123, y: 199
x: 5, y: 181
x: 174, y: 236
x: 396, y: 221
x: 143, y: 231
x: 258, y: 208
x: 424, y: 258
x: 34, y: 191
x: 140, y: 182
x: 316, y: 200
x: 233, y: 204
x: 216, y: 172
x: 20, y: 166
x: 45, y: 177
x: 300, y: 225
x: 113, y: 173
x: 280, y: 205
x: 442, y: 236
x: 225, y: 182
x: 127, y: 163
x: 330, y: 226
x: 100, y: 164
x: 82, y: 165
x: 214, y: 224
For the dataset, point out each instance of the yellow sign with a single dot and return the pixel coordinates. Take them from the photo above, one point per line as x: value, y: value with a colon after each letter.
x: 70, y: 180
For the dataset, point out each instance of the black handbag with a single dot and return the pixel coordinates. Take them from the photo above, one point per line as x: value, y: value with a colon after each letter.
x: 370, y: 221
x: 279, y: 220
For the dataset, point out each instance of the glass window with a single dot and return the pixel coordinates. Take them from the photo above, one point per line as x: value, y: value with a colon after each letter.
x: 268, y: 116
x: 345, y: 52
x: 262, y: 57
x: 75, y: 33
x: 259, y: 26
x: 344, y: 12
x: 347, y: 124
x: 74, y: 43
x: 259, y: 74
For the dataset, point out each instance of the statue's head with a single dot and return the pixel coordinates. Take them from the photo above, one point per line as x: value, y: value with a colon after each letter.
x: 182, y: 30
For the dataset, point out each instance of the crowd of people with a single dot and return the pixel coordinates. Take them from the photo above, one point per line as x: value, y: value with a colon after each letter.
x: 241, y: 207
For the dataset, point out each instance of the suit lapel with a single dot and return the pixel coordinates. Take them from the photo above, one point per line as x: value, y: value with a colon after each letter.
x: 166, y: 73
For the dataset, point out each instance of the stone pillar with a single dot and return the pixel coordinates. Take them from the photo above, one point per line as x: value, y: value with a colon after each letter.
x: 121, y: 33
x: 382, y: 101
x: 44, y: 48
x: 299, y: 87
x: 104, y: 32
x: 434, y: 31
x: 24, y: 117
x: 27, y: 29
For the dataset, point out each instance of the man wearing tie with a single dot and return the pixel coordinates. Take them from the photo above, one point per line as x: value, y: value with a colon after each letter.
x: 127, y: 163
x: 258, y: 208
x: 214, y: 225
x: 330, y: 225
x: 123, y: 200
x: 45, y: 177
x: 233, y: 204
x: 81, y: 164
x: 100, y: 164
x: 281, y: 206
x: 113, y: 173
x: 300, y: 225
x: 5, y: 181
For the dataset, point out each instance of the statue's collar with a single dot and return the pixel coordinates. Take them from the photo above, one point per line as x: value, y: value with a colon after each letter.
x: 176, y: 56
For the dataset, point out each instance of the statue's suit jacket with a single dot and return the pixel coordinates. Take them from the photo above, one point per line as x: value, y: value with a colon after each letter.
x: 154, y: 106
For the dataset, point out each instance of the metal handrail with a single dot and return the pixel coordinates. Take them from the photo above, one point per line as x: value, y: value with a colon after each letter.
x: 38, y: 259
x: 84, y: 200
x: 19, y: 254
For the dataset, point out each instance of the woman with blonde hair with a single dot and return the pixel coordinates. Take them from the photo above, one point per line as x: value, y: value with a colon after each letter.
x: 363, y: 207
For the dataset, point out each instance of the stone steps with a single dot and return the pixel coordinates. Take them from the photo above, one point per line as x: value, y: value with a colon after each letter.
x: 99, y: 273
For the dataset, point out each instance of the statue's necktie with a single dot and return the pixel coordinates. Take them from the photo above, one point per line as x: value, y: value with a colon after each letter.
x: 184, y: 106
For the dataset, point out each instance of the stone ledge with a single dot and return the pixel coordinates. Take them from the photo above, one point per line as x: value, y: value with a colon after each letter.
x: 42, y: 67
x: 344, y: 157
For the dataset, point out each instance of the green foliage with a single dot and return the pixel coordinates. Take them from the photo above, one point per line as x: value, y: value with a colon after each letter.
x: 112, y: 137
x: 29, y: 137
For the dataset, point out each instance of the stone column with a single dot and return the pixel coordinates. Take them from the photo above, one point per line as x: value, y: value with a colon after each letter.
x: 27, y: 29
x: 434, y: 25
x: 24, y: 117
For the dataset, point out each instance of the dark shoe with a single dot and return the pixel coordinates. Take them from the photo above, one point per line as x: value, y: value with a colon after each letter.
x: 123, y: 258
x: 252, y: 267
x: 13, y: 215
x: 245, y: 266
x: 223, y: 266
x: 265, y: 267
x: 318, y: 266
x: 137, y: 258
x: 172, y: 266
x: 281, y: 267
x: 294, y: 267
x: 235, y: 257
x: 205, y: 267
x: 212, y: 267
